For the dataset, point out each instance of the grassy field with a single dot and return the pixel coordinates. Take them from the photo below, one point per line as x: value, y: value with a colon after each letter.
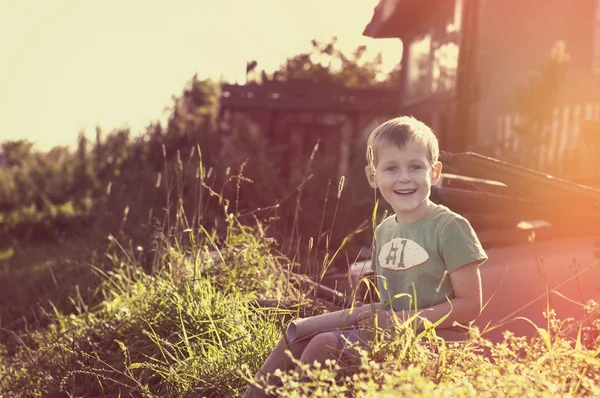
x: 82, y: 320
x: 183, y: 313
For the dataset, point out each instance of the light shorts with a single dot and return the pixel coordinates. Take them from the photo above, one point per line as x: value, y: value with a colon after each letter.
x: 350, y: 337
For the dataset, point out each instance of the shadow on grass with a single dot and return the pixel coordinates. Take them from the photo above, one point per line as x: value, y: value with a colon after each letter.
x: 39, y: 276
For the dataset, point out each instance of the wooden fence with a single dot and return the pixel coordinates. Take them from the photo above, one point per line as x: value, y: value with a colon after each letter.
x: 307, y: 96
x: 567, y: 145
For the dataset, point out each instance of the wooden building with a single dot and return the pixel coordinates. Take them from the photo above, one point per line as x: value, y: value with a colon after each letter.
x: 297, y: 114
x: 465, y: 62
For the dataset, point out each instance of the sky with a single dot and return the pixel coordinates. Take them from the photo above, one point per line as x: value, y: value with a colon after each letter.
x: 70, y: 65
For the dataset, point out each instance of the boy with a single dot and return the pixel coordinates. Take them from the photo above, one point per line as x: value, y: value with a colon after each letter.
x: 424, y: 253
x: 423, y: 250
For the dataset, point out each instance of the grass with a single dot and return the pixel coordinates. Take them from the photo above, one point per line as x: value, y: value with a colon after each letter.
x: 405, y: 366
x: 35, y: 275
x: 184, y: 318
x: 180, y: 332
x: 194, y: 329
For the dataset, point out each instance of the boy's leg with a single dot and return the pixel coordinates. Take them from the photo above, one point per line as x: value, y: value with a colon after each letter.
x: 322, y: 347
x: 278, y: 359
x: 452, y: 334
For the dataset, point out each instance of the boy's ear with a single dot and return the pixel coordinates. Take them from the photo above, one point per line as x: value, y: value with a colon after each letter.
x: 370, y: 176
x: 436, y: 173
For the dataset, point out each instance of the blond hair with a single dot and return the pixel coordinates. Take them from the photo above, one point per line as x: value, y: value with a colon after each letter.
x: 398, y: 132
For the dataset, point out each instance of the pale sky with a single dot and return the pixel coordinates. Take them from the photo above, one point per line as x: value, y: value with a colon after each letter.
x: 69, y: 65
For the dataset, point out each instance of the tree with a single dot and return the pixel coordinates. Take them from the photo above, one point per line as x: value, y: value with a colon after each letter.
x: 16, y: 153
x: 327, y: 64
x: 537, y: 101
x: 192, y: 120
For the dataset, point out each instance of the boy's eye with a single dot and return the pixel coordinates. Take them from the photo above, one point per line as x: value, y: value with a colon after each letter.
x: 391, y: 168
x: 416, y: 167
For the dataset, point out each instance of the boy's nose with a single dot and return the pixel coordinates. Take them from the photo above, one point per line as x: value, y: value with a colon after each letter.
x: 403, y: 176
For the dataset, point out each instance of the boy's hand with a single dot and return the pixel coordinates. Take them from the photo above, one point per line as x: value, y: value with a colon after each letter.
x: 358, y: 308
x: 368, y: 318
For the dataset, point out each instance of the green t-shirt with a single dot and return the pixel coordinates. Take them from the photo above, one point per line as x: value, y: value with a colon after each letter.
x: 423, y: 254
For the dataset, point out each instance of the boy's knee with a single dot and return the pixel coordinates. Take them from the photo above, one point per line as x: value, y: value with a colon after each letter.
x: 321, y: 347
x: 326, y: 340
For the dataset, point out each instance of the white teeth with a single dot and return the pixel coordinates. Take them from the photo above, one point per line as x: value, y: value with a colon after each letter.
x: 405, y: 190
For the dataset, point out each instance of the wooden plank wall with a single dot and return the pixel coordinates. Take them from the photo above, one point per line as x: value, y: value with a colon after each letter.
x: 567, y: 146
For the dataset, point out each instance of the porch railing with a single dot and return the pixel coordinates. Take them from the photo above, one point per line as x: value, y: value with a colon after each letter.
x: 304, y: 96
x: 566, y: 145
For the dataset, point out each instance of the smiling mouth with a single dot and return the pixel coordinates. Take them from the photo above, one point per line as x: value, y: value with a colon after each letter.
x: 405, y: 191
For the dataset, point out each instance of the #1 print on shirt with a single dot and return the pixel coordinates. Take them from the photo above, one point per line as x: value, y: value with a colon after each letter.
x: 400, y: 254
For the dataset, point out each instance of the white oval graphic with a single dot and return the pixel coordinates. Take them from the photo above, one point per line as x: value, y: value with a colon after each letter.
x: 401, y: 254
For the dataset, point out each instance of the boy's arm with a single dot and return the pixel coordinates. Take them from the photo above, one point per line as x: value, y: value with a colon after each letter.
x: 463, y: 308
x: 466, y: 304
x: 462, y: 254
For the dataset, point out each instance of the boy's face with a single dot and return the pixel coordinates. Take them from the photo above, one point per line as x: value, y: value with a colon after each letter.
x: 404, y: 177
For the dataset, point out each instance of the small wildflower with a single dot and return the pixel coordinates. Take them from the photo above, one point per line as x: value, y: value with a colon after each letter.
x: 439, y: 286
x: 341, y: 187
x: 374, y: 365
x: 371, y: 159
x: 314, y: 151
x: 591, y: 306
x: 179, y: 162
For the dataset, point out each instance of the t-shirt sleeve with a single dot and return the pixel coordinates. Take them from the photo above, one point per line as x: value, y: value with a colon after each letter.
x: 460, y: 245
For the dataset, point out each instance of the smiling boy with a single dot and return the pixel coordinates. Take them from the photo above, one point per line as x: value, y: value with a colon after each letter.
x: 423, y: 248
x: 425, y: 256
